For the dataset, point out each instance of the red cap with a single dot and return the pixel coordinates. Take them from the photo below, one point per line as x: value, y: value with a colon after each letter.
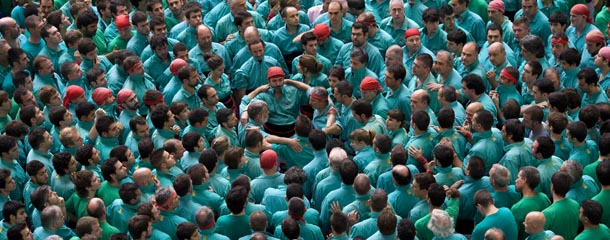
x: 595, y: 36
x: 176, y: 65
x: 581, y: 9
x: 322, y: 31
x: 122, y: 21
x: 100, y: 95
x: 72, y: 92
x: 411, y: 32
x: 497, y: 4
x: 274, y: 72
x: 268, y: 159
x: 369, y: 84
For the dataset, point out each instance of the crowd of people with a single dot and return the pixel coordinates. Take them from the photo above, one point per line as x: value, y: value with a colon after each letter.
x: 311, y: 119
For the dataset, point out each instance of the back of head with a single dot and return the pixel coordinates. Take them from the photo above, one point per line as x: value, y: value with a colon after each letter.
x: 348, y: 172
x: 386, y: 222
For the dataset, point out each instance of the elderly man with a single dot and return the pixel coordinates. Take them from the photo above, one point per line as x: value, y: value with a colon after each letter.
x: 534, y: 226
x: 581, y: 25
x: 397, y: 23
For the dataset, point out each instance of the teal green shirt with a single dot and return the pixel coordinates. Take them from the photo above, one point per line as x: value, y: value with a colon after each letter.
x: 398, y: 34
x: 517, y: 155
x: 507, y: 198
x: 330, y: 49
x: 423, y: 141
x: 203, y: 196
x: 262, y: 182
x: 363, y: 157
x: 62, y: 185
x: 501, y: 220
x: 319, y: 162
x: 584, y: 189
x: 168, y: 222
x: 253, y: 73
x: 446, y: 176
x: 283, y: 111
x: 375, y: 60
x: 402, y: 200
x: 119, y: 213
x: 380, y: 164
x: 547, y: 167
x: 355, y: 76
x: 485, y: 148
x: 139, y: 84
x: 344, y: 195
x: 18, y: 175
x: 468, y: 210
x: 283, y: 39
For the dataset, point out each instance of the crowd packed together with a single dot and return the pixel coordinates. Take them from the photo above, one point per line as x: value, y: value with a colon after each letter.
x: 304, y: 119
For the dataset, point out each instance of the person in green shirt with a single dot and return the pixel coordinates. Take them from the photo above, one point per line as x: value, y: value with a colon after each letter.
x: 97, y: 209
x: 167, y: 201
x: 526, y: 183
x: 582, y: 187
x: 207, y: 225
x: 61, y: 179
x: 236, y: 224
x: 361, y: 141
x: 445, y: 173
x: 604, y: 195
x: 368, y: 227
x: 9, y: 152
x: 38, y: 177
x: 113, y: 172
x: 436, y: 199
x: 504, y: 194
x: 382, y: 145
x: 344, y: 195
x: 494, y: 218
x: 420, y: 144
x: 403, y: 198
x: 121, y: 210
x: 86, y: 185
x: 52, y: 217
x: 561, y: 216
x: 125, y: 33
x: 590, y: 217
x: 517, y: 152
x: 87, y: 24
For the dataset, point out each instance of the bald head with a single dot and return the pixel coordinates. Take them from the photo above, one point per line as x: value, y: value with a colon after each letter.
x: 497, y: 53
x: 401, y: 175
x: 362, y: 184
x: 251, y: 33
x: 204, y: 217
x: 470, y: 46
x: 472, y: 109
x: 258, y: 221
x: 9, y: 28
x: 393, y: 56
x: 420, y: 100
x: 494, y: 234
x: 141, y: 176
x: 534, y: 222
x: 96, y: 208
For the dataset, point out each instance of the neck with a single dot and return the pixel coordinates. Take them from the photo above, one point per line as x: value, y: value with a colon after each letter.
x: 501, y: 189
x: 588, y: 225
x: 34, y: 38
x: 578, y: 144
x: 43, y: 149
x: 52, y: 46
x: 188, y: 88
x: 398, y: 23
x: 555, y: 136
x: 269, y: 172
x: 490, y: 210
x: 292, y: 29
x: 528, y: 192
x: 212, y: 107
x: 557, y: 197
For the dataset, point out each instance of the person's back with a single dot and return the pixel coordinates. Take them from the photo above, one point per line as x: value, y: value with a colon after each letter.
x: 500, y: 218
x: 236, y: 224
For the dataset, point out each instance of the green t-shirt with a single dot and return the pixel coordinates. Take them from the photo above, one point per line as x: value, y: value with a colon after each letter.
x: 526, y: 205
x: 562, y: 217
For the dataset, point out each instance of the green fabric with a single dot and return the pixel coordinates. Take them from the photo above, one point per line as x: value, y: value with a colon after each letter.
x: 474, y: 24
x: 62, y: 185
x: 365, y: 228
x: 584, y: 189
x: 539, y: 25
x: 501, y: 220
x: 547, y: 167
x: 423, y: 141
x: 331, y: 48
x: 485, y: 148
x: 168, y: 222
x: 283, y: 39
x: 446, y: 176
x: 108, y: 230
x: 399, y: 98
x: 375, y: 60
x: 603, y: 197
x: 600, y: 232
x: 526, y: 205
x: 360, y: 205
x: 436, y: 42
x: 307, y: 231
x: 579, y: 40
x: 344, y: 195
x: 421, y: 226
x: 100, y: 42
x: 344, y: 33
x: 325, y: 186
x: 380, y: 164
x: 261, y: 183
x: 119, y: 213
x: 204, y: 197
x: 108, y: 193
x: 19, y: 175
x: 316, y: 164
x: 402, y: 200
x: 355, y: 76
x: 468, y: 210
x: 517, y: 155
x: 562, y: 217
x: 363, y: 157
x: 253, y: 73
x: 506, y: 199
x: 77, y: 205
